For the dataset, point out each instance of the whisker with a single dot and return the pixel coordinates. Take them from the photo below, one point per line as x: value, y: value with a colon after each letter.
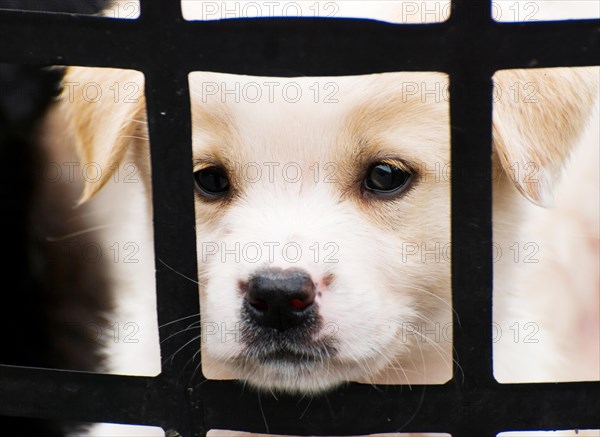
x: 306, y: 409
x: 262, y: 412
x: 134, y: 136
x: 144, y: 122
x: 179, y: 273
x: 418, y: 289
x: 189, y: 328
x: 188, y: 362
x: 179, y: 320
x: 172, y: 356
x: 77, y: 233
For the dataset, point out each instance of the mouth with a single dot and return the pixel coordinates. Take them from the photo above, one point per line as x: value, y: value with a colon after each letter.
x: 287, y: 371
x: 293, y: 358
x: 288, y: 350
x: 283, y: 364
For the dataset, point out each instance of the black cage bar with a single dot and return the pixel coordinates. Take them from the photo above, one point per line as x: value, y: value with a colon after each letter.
x: 470, y: 47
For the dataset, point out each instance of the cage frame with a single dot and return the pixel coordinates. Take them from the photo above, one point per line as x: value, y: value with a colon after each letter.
x: 470, y: 46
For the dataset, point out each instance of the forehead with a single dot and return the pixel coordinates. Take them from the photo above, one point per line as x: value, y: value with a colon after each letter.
x: 242, y: 118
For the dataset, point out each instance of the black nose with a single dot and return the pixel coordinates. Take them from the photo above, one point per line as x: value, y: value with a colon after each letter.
x: 280, y: 299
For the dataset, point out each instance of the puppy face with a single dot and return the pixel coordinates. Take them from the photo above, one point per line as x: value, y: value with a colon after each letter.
x: 305, y: 273
x: 323, y: 221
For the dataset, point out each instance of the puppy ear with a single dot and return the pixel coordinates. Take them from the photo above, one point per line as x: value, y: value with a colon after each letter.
x: 105, y: 112
x: 538, y: 117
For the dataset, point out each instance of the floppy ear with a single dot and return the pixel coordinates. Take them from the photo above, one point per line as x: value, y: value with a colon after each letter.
x: 538, y: 117
x: 105, y: 112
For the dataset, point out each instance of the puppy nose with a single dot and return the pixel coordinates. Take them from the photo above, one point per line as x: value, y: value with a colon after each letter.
x: 280, y: 299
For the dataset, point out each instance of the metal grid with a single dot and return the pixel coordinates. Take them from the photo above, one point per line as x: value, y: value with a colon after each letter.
x: 470, y: 46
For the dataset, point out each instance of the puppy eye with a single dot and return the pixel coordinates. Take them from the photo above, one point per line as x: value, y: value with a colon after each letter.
x: 386, y: 179
x: 212, y: 182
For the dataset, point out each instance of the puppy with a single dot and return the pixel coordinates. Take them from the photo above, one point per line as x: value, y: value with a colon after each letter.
x: 323, y: 225
x: 323, y: 220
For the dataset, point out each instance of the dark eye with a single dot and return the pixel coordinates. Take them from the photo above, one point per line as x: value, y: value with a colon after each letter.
x: 385, y: 179
x: 212, y: 182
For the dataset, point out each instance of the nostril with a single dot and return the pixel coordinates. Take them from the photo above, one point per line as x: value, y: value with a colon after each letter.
x: 259, y: 304
x: 300, y: 304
